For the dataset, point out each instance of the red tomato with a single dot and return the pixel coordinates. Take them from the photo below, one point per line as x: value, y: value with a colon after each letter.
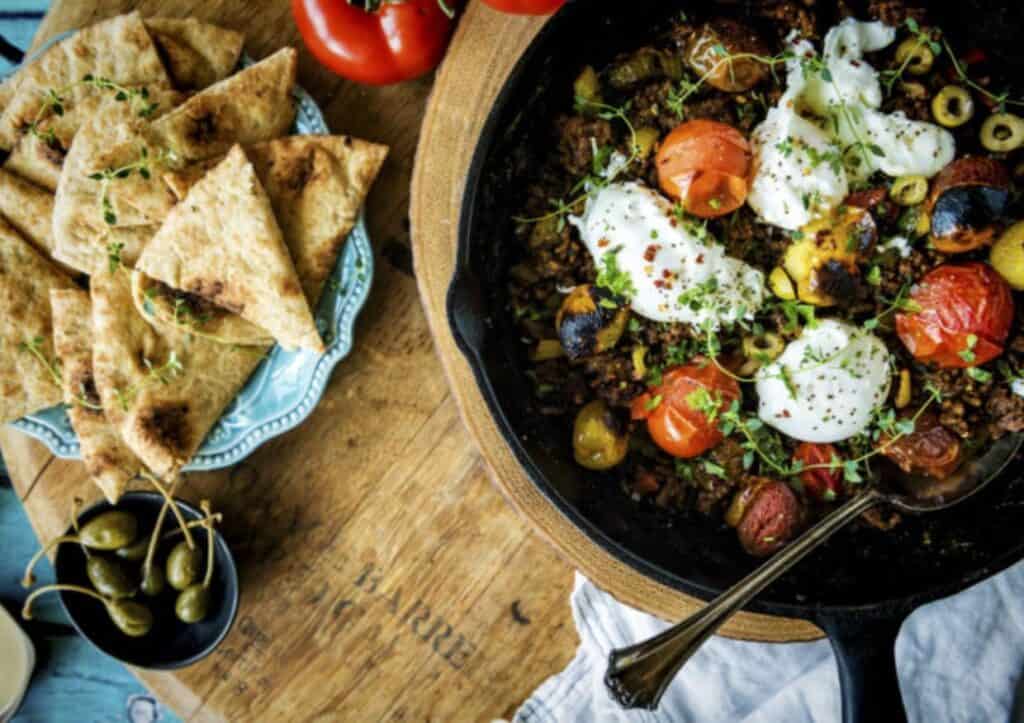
x: 964, y: 317
x: 930, y: 449
x: 674, y: 423
x: 387, y: 44
x: 526, y: 7
x: 820, y: 483
x: 705, y: 164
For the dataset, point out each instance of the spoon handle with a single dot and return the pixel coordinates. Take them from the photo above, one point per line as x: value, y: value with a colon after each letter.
x: 638, y: 675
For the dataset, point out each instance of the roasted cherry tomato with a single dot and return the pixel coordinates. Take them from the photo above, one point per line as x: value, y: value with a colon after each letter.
x: 526, y: 7
x: 930, y: 449
x: 963, y: 316
x: 705, y: 165
x: 387, y: 42
x: 819, y: 483
x: 677, y: 410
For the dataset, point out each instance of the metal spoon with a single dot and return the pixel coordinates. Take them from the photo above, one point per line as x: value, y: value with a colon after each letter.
x: 638, y: 675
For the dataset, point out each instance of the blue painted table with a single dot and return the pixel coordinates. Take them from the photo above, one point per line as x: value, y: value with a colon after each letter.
x: 73, y: 682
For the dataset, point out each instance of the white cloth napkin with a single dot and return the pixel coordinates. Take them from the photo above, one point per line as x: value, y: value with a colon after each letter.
x: 959, y: 661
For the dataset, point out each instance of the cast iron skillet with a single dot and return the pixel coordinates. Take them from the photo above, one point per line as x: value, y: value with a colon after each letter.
x: 860, y: 587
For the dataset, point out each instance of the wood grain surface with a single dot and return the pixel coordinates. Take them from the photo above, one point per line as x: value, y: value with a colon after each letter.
x: 383, y: 576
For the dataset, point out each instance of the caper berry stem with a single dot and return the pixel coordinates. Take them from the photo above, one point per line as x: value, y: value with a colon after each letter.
x: 208, y: 526
x: 28, y: 579
x: 170, y: 501
x: 155, y: 535
x: 76, y: 506
x: 26, y: 610
x: 216, y: 518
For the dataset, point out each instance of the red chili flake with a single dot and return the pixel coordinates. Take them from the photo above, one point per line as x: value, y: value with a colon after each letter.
x: 700, y: 258
x: 666, y: 274
x: 603, y: 242
x: 658, y: 284
x: 786, y: 414
x: 651, y: 251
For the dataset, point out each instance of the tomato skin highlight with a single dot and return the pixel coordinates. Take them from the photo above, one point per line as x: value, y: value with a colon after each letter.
x: 705, y: 165
x: 526, y: 7
x: 958, y: 302
x: 398, y: 42
x: 674, y: 424
x: 931, y: 449
x: 821, y: 484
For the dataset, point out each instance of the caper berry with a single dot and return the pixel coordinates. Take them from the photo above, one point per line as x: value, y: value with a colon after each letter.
x: 132, y: 618
x: 153, y: 580
x: 193, y: 603
x: 133, y: 552
x: 109, y: 531
x: 183, y: 566
x: 109, y: 578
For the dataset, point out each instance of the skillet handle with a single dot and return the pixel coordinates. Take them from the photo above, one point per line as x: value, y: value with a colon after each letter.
x: 865, y: 652
x: 466, y: 312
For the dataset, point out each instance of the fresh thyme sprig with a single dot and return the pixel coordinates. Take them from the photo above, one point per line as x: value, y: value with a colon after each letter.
x: 54, y: 99
x: 34, y: 347
x: 1001, y: 100
x: 107, y: 175
x: 163, y: 374
x: 925, y: 39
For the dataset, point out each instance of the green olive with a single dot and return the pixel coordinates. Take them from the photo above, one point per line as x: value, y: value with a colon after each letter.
x: 193, y: 604
x: 909, y: 190
x: 952, y: 106
x: 587, y: 87
x: 599, y: 441
x: 109, y: 578
x: 183, y: 565
x: 917, y: 56
x: 135, y: 551
x: 646, y: 139
x: 131, y: 618
x: 153, y: 581
x: 1002, y: 132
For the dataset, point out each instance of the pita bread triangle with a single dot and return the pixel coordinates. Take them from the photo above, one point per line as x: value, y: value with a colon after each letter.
x: 29, y: 209
x: 316, y: 185
x: 161, y: 389
x: 109, y: 461
x: 251, y: 106
x: 29, y: 377
x: 118, y: 49
x: 222, y: 243
x: 196, y: 54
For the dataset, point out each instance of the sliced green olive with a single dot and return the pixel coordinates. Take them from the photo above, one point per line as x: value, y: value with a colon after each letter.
x: 1002, y: 132
x: 599, y: 441
x: 909, y: 190
x: 587, y: 87
x: 109, y: 578
x: 953, y: 106
x: 183, y: 566
x: 915, y: 56
x: 646, y: 139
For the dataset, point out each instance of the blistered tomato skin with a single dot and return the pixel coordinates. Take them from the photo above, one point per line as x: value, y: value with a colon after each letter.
x: 674, y: 423
x: 819, y: 483
x: 706, y: 165
x: 931, y: 449
x: 963, y: 318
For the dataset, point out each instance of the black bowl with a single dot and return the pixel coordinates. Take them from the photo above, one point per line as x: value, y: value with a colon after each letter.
x: 171, y: 643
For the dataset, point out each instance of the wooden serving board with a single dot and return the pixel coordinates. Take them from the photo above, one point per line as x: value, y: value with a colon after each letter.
x: 383, y: 576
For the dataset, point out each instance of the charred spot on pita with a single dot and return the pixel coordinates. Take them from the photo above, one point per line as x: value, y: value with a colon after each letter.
x: 202, y: 128
x: 164, y: 424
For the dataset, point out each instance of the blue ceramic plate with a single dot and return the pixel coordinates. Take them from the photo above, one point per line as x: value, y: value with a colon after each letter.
x: 286, y: 386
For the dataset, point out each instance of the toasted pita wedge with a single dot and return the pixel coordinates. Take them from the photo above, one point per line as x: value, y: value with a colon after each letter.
x: 255, y: 103
x: 85, y: 235
x: 119, y: 50
x: 161, y: 389
x: 29, y: 209
x: 108, y: 460
x: 196, y: 54
x: 222, y: 243
x: 250, y: 106
x: 29, y: 377
x: 316, y: 185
